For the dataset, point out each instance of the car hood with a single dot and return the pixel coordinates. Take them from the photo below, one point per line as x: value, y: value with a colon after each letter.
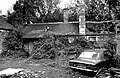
x: 87, y: 61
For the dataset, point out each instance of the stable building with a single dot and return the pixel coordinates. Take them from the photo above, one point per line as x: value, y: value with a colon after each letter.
x: 37, y: 31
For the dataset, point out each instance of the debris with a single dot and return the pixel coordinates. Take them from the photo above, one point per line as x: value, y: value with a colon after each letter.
x: 43, y: 72
x: 10, y: 71
x: 18, y: 73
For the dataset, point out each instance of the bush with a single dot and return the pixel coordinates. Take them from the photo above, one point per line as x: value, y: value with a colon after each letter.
x: 111, y: 54
x: 15, y: 54
x: 13, y: 45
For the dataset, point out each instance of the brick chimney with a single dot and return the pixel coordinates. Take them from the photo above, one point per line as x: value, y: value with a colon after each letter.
x: 65, y: 14
x: 81, y: 11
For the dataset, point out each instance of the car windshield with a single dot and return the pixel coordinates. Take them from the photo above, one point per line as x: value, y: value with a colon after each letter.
x: 92, y: 55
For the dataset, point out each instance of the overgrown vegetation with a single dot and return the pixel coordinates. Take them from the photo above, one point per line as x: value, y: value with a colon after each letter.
x: 13, y: 45
x: 51, y: 47
x: 111, y: 54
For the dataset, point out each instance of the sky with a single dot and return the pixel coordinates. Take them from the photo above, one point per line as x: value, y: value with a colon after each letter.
x: 64, y: 2
x: 6, y: 5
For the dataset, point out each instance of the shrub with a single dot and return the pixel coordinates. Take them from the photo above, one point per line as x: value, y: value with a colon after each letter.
x: 111, y: 54
x: 15, y: 54
x: 13, y: 45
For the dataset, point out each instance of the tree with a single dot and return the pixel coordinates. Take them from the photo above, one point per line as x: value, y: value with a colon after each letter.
x: 27, y: 11
x: 97, y: 11
x: 13, y: 45
x: 23, y: 13
x: 114, y: 6
x: 73, y: 15
x: 56, y: 16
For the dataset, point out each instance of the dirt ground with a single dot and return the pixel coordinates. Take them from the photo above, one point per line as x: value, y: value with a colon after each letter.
x: 46, y: 68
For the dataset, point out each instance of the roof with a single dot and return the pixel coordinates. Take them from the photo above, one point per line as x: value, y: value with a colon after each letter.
x: 4, y: 24
x: 58, y: 28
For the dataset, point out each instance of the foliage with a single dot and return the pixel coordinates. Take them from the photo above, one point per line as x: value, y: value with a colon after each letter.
x: 116, y: 61
x: 23, y: 12
x: 115, y: 8
x: 13, y: 45
x: 44, y: 48
x: 26, y: 12
x: 97, y: 11
x: 56, y: 16
x: 12, y: 38
x: 111, y: 45
x: 73, y: 15
x: 34, y: 11
x: 100, y: 28
x: 15, y: 54
x: 51, y: 47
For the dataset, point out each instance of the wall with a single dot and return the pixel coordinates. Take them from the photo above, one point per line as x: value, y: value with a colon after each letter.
x: 3, y: 33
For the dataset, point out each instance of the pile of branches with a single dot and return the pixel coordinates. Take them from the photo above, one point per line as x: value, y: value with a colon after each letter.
x: 51, y: 46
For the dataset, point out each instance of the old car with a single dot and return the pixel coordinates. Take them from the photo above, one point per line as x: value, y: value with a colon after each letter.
x: 90, y: 60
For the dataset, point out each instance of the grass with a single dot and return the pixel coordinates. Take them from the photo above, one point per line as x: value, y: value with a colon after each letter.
x: 46, y: 68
